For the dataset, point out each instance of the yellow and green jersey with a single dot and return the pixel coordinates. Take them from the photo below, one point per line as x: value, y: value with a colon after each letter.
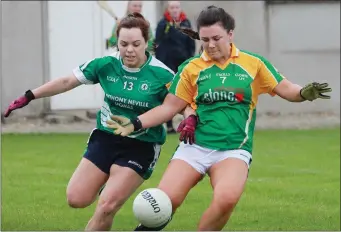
x: 225, y: 96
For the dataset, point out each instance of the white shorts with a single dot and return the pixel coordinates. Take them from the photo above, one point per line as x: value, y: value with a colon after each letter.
x: 201, y: 158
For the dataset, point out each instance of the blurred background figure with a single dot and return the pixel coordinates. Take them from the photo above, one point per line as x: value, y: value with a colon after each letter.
x: 171, y: 46
x: 132, y: 7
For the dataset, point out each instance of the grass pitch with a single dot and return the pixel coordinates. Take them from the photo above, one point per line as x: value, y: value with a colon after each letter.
x: 294, y: 184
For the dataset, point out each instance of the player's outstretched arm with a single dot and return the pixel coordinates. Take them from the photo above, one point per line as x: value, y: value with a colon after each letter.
x: 51, y: 88
x: 295, y: 93
x: 273, y: 82
x: 56, y: 86
x: 171, y: 106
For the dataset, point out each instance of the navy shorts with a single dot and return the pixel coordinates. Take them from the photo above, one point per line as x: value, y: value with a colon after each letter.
x: 105, y: 149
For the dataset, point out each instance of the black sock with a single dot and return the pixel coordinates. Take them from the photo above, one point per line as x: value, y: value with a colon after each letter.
x: 144, y: 228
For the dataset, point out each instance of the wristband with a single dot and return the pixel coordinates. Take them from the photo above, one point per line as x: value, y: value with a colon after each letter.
x: 137, y: 124
x: 29, y: 95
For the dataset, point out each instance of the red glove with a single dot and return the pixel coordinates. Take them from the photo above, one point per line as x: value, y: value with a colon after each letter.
x: 19, y: 103
x: 187, y: 128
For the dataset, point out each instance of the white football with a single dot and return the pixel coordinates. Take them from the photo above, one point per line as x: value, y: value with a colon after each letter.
x: 152, y: 207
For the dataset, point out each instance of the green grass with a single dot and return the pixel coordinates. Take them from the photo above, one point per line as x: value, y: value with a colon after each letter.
x: 294, y: 184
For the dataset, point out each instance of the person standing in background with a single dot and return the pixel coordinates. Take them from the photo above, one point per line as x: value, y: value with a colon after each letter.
x: 132, y: 7
x: 171, y: 46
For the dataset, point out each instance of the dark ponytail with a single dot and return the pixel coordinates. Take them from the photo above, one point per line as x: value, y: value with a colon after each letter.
x: 208, y: 17
x: 189, y: 32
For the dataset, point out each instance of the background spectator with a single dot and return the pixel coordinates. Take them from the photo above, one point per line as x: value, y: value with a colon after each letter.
x: 172, y: 46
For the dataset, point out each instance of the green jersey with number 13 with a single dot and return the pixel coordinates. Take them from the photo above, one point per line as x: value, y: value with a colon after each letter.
x: 128, y: 91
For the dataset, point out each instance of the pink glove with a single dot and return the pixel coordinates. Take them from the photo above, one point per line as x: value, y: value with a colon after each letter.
x: 19, y: 103
x: 187, y: 128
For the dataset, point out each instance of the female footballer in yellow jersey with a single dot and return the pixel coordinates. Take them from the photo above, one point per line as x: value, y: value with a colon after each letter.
x: 223, y: 85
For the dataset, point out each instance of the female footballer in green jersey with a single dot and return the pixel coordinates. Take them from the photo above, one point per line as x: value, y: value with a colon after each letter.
x: 133, y: 82
x: 223, y: 85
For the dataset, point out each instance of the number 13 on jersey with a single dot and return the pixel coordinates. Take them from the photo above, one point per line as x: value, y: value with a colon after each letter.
x: 128, y: 85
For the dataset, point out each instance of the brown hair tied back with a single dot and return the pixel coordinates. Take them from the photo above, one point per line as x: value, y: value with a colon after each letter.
x: 135, y: 20
x: 136, y: 15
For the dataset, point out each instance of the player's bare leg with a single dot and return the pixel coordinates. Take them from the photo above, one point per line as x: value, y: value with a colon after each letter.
x: 176, y: 186
x: 121, y: 184
x: 84, y: 184
x: 228, y: 178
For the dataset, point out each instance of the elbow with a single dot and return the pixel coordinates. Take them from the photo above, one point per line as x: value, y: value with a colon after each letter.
x: 68, y: 83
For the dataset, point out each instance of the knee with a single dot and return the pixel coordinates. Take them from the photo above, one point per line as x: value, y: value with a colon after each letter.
x: 76, y: 200
x: 225, y: 202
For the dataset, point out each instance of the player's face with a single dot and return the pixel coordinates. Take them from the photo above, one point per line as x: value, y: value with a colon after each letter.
x: 135, y: 7
x: 216, y: 41
x: 132, y: 47
x: 174, y: 9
